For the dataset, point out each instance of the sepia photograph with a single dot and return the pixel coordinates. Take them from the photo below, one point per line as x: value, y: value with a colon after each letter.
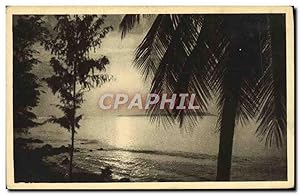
x: 150, y: 98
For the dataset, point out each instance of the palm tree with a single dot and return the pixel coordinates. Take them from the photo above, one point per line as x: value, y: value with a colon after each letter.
x: 238, y: 58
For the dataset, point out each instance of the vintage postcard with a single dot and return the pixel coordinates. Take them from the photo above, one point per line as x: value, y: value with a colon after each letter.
x: 150, y: 98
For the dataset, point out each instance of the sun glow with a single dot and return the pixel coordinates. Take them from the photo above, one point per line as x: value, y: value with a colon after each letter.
x: 124, y: 129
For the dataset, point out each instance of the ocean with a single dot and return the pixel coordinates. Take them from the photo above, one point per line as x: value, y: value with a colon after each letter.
x: 134, y: 147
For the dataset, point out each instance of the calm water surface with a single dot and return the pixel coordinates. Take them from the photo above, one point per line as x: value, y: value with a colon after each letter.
x: 135, y: 148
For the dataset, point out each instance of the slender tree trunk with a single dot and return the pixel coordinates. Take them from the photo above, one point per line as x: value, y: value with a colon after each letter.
x: 73, y: 126
x: 231, y: 86
x: 71, y: 155
x: 226, y: 138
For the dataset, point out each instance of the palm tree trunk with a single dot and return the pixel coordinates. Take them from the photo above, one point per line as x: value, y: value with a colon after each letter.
x: 226, y: 138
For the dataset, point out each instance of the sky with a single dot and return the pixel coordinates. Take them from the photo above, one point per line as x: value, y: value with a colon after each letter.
x: 120, y: 53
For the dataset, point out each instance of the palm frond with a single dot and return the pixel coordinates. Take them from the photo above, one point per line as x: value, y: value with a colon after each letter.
x: 129, y: 21
x: 239, y: 67
x: 193, y: 77
x: 184, y: 73
x: 151, y: 50
x: 272, y: 87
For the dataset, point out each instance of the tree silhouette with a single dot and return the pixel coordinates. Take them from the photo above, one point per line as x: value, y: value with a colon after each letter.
x: 27, y: 31
x: 75, y: 72
x: 240, y: 58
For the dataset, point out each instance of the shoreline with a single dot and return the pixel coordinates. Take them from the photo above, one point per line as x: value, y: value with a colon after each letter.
x: 46, y: 163
x: 31, y: 165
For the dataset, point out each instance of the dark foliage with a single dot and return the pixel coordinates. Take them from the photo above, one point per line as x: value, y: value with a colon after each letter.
x: 27, y: 31
x: 272, y: 86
